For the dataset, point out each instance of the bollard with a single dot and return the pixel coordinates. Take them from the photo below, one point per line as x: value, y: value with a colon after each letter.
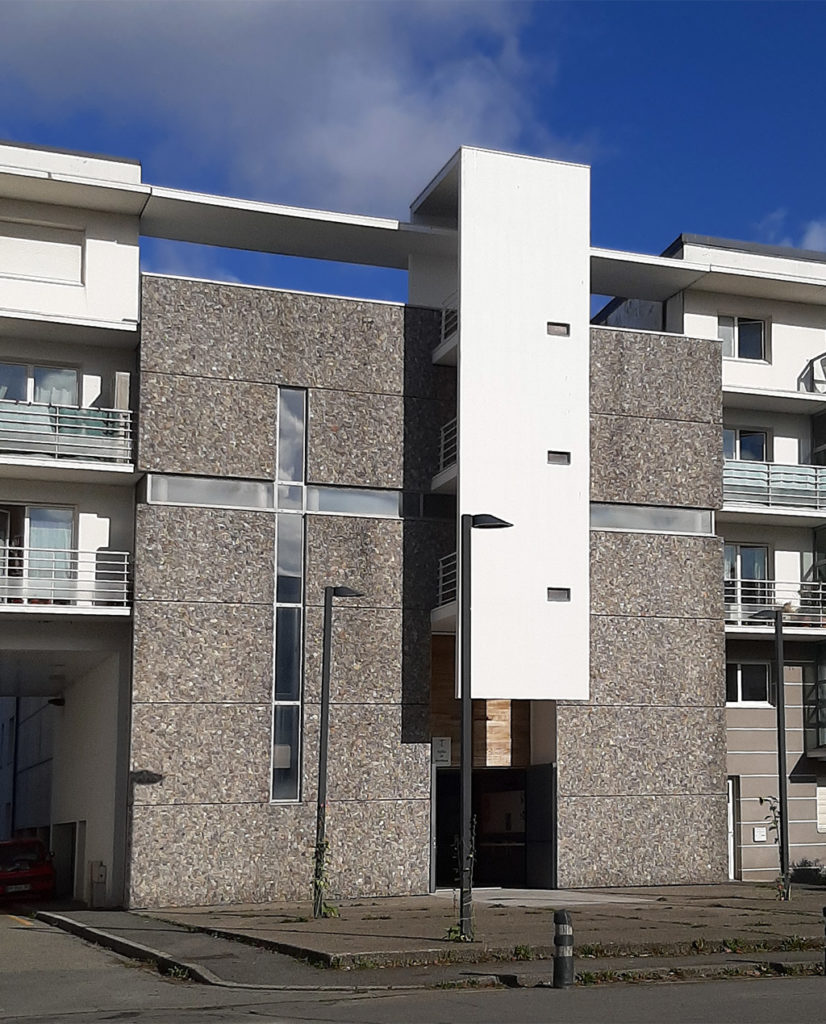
x: 824, y: 942
x: 564, y: 949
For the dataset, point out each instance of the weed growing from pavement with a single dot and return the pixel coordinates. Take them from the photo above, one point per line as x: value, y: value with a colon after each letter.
x: 524, y: 953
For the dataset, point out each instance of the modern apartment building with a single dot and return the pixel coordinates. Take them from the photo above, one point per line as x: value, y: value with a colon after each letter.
x: 185, y: 465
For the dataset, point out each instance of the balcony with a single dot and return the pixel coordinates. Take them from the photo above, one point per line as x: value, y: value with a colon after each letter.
x: 35, y: 431
x: 752, y: 604
x: 445, y: 353
x: 443, y: 616
x: 445, y: 480
x: 770, y: 485
x: 59, y: 580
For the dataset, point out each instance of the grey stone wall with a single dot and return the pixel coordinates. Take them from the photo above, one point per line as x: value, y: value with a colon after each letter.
x: 641, y: 764
x: 212, y: 357
x: 656, y: 419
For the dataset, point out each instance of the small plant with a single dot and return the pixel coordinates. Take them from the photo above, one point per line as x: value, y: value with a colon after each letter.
x: 454, y: 934
x: 321, y: 884
x: 521, y: 952
x: 783, y: 883
x: 586, y: 978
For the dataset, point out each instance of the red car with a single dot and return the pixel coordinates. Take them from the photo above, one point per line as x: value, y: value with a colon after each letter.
x: 25, y: 869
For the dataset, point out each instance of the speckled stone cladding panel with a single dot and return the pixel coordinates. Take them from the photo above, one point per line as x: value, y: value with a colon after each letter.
x: 656, y: 419
x: 641, y: 764
x: 309, y: 341
x: 656, y: 376
x: 642, y: 840
x: 206, y: 426
x: 197, y: 554
x: 212, y: 357
x: 190, y: 652
x: 656, y: 462
x: 657, y: 575
x: 666, y: 662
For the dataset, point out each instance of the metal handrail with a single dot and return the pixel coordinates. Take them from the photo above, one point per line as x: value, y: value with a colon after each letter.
x: 774, y: 484
x: 754, y: 602
x: 447, y: 580
x: 450, y: 316
x: 64, y: 577
x: 65, y: 431
x: 448, y: 445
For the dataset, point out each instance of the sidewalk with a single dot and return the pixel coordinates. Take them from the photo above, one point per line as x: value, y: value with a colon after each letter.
x: 676, y: 931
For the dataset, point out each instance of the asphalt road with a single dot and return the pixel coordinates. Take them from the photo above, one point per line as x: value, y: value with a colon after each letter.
x: 50, y: 977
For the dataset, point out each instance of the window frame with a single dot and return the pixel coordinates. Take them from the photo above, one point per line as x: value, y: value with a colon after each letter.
x: 30, y: 382
x: 768, y: 449
x: 740, y: 703
x: 736, y: 319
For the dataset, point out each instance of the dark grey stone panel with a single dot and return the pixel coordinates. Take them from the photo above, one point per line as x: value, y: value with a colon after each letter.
x: 643, y: 574
x: 365, y: 554
x: 641, y: 840
x: 202, y: 652
x: 206, y: 426
x: 380, y: 848
x: 655, y: 375
x: 220, y: 330
x: 257, y: 853
x: 657, y: 661
x: 624, y: 751
x: 368, y: 758
x: 356, y: 439
x: 198, y: 554
x: 379, y: 655
x: 647, y: 461
x: 206, y: 753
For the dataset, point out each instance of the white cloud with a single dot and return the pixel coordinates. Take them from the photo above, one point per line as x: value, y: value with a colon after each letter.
x: 814, y: 235
x: 340, y: 104
x: 772, y: 229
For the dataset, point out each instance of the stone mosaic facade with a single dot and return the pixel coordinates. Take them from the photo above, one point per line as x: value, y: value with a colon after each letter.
x: 212, y: 358
x: 641, y: 764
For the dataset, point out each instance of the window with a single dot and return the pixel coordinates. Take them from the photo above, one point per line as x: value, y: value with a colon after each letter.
x: 45, y: 385
x: 745, y: 445
x: 289, y: 595
x: 651, y: 519
x: 746, y: 576
x: 747, y: 683
x: 742, y: 337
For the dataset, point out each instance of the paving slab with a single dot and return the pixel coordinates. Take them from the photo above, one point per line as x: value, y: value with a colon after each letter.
x: 401, y: 942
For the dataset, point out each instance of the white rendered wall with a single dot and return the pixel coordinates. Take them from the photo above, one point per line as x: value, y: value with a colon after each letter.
x: 68, y: 263
x: 85, y: 765
x: 790, y: 548
x: 524, y: 261
x: 789, y: 436
x: 796, y: 334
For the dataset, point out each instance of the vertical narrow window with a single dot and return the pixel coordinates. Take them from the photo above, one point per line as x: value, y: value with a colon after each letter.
x: 288, y: 625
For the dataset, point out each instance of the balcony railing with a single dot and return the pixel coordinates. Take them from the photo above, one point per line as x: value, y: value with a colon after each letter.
x: 52, y: 576
x: 448, y: 445
x: 771, y: 485
x: 65, y: 432
x: 755, y: 602
x: 447, y: 579
x: 450, y: 316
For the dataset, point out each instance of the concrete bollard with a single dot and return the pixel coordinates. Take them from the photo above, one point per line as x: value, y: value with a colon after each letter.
x: 564, y: 949
x: 824, y: 942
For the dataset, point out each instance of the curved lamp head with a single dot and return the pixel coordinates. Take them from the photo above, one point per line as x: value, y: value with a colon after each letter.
x: 483, y: 521
x: 347, y: 592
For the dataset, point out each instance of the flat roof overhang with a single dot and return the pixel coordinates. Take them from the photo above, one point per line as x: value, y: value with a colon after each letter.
x: 290, y: 231
x: 656, y: 278
x: 33, y: 186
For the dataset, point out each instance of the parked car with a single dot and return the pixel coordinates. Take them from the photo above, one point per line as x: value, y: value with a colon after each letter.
x: 25, y: 869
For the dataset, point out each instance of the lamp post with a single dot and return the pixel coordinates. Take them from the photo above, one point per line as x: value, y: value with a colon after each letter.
x: 782, y: 767
x: 319, y: 867
x: 466, y: 853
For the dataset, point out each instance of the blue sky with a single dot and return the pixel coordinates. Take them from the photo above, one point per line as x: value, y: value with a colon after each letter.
x: 703, y: 117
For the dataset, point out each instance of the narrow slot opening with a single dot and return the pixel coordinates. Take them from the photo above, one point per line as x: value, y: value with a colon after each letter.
x: 559, y: 458
x: 559, y: 593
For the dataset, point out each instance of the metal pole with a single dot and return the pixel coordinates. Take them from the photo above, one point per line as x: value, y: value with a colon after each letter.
x: 564, y: 949
x: 466, y: 741
x: 324, y: 734
x: 782, y: 767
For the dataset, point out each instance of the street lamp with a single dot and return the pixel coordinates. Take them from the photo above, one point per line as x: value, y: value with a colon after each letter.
x: 323, y: 743
x: 483, y: 521
x: 782, y: 767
